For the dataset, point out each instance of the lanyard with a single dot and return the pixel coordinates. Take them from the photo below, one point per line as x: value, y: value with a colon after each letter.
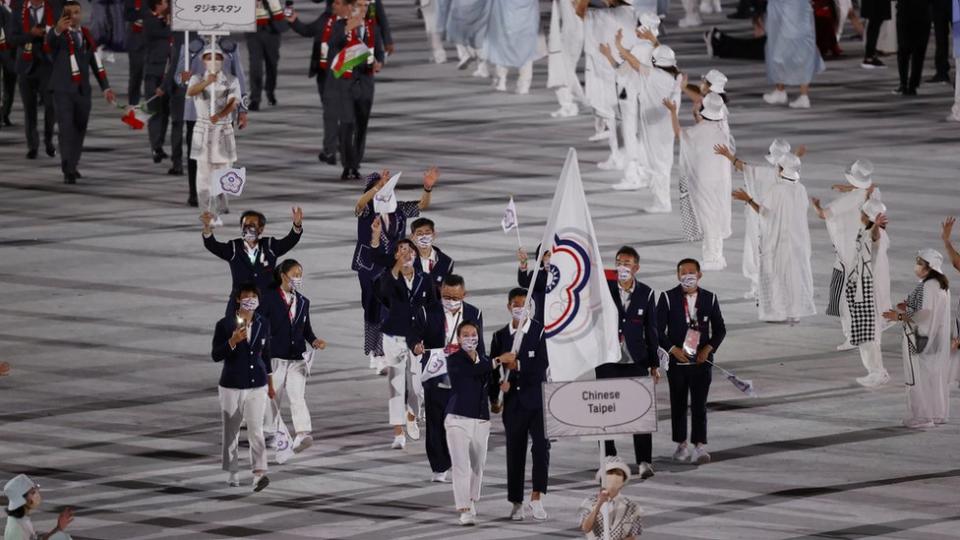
x: 691, y: 322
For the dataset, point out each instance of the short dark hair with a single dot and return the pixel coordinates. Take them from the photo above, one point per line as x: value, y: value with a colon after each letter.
x: 72, y: 3
x: 453, y: 280
x: 422, y: 222
x: 516, y: 292
x: 465, y: 324
x: 627, y: 250
x: 261, y: 219
x: 246, y: 288
x: 688, y: 261
x: 407, y: 241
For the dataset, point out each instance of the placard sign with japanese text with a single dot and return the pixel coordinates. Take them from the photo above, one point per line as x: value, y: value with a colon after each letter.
x: 214, y: 16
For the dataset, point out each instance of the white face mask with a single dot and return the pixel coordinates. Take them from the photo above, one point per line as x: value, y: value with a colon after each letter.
x: 518, y: 313
x: 296, y: 283
x: 451, y: 306
x: 614, y: 483
x: 624, y: 273
x: 213, y: 66
x: 688, y: 281
x: 424, y: 241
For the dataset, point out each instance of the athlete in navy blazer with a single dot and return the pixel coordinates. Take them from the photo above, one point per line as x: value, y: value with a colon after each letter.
x: 689, y: 375
x: 434, y: 262
x: 290, y: 338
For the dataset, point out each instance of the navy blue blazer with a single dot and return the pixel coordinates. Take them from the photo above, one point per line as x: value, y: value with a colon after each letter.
x: 638, y: 324
x: 241, y: 269
x: 526, y: 383
x: 429, y: 328
x: 441, y: 269
x: 401, y: 304
x: 289, y: 339
x: 469, y: 385
x: 248, y: 365
x: 672, y: 320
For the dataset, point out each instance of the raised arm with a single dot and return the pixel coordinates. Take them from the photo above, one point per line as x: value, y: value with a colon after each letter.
x: 945, y: 233
x: 429, y: 180
x: 723, y: 150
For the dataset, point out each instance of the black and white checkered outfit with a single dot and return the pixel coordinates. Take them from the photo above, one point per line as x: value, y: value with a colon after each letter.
x: 914, y: 304
x: 688, y: 219
x: 859, y: 293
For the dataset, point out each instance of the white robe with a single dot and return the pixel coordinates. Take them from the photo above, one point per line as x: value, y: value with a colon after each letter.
x: 843, y: 224
x: 655, y: 137
x: 565, y: 47
x: 928, y: 399
x: 707, y: 177
x: 881, y: 273
x: 512, y: 33
x: 600, y: 26
x: 786, y: 280
x: 757, y: 179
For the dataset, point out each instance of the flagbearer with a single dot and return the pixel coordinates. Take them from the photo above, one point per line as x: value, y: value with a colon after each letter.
x: 522, y: 403
x: 74, y: 56
x: 639, y: 340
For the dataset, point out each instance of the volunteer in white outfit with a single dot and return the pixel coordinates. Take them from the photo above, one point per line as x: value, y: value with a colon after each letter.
x: 564, y: 49
x: 691, y: 14
x: 790, y: 52
x: 468, y: 419
x: 434, y: 25
x: 213, y: 143
x: 925, y: 315
x: 705, y: 180
x: 946, y: 232
x: 466, y: 27
x: 512, y: 41
x: 23, y: 496
x: 954, y: 115
x: 609, y: 513
x: 786, y: 280
x: 876, y: 212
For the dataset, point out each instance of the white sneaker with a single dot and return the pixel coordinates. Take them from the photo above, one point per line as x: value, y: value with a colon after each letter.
x: 260, y: 482
x: 714, y: 265
x: 439, y: 56
x: 690, y: 21
x: 501, y: 85
x: 233, y: 480
x: 439, y: 477
x: 682, y: 454
x: 600, y: 136
x: 464, y: 62
x: 706, y: 7
x: 523, y: 89
x: 914, y: 423
x: 624, y: 185
x: 482, y: 71
x: 413, y: 430
x: 516, y: 514
x: 615, y: 161
x: 565, y: 112
x: 302, y: 442
x: 777, y: 97
x: 846, y: 346
x: 717, y: 8
x: 538, y: 511
x: 700, y: 455
x: 884, y: 378
x: 645, y: 470
x: 217, y: 222
x: 752, y: 293
x: 399, y: 442
x: 802, y: 102
x: 467, y: 519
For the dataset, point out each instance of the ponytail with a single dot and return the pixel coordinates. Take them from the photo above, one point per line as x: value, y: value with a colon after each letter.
x: 282, y: 269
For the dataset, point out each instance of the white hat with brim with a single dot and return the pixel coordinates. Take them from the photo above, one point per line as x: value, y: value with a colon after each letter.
x: 16, y: 491
x: 664, y: 56
x: 933, y: 257
x: 778, y: 148
x: 717, y: 81
x: 859, y: 173
x: 614, y: 463
x: 789, y: 166
x: 713, y: 107
x: 873, y: 208
x: 650, y: 21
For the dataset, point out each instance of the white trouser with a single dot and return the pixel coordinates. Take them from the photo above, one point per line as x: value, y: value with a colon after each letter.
x: 403, y: 373
x: 955, y: 110
x: 872, y: 357
x: 243, y: 405
x: 565, y: 98
x: 429, y: 10
x: 629, y: 109
x: 844, y: 313
x: 215, y: 205
x: 713, y: 249
x: 524, y: 75
x: 691, y: 9
x: 290, y: 380
x: 467, y: 440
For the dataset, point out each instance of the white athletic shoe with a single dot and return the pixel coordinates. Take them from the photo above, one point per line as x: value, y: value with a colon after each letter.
x: 714, y: 265
x: 566, y: 111
x: 399, y: 442
x: 776, y: 97
x: 439, y: 477
x: 500, y: 85
x: 260, y: 482
x: 467, y: 519
x: 614, y: 162
x: 624, y: 185
x: 600, y: 136
x: 802, y: 102
x: 482, y: 71
x: 413, y: 430
x: 953, y: 118
x: 538, y: 511
x: 217, y: 222
x: 682, y: 453
x: 915, y: 423
x: 700, y: 456
x: 846, y: 346
x: 302, y: 442
x: 473, y: 508
x: 690, y: 21
x: 658, y: 209
x: 464, y: 62
x: 233, y: 480
x: 645, y: 470
x: 717, y: 8
x: 517, y: 513
x: 752, y: 293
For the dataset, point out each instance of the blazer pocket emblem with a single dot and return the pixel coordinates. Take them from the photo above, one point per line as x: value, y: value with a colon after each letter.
x: 530, y: 354
x: 640, y: 311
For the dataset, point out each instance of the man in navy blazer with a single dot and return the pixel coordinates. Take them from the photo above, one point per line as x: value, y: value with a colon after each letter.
x: 252, y: 258
x: 522, y: 403
x: 435, y: 263
x: 435, y: 327
x: 691, y: 330
x: 639, y: 340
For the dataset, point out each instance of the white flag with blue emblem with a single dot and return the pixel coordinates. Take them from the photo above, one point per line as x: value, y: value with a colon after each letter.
x: 580, y: 317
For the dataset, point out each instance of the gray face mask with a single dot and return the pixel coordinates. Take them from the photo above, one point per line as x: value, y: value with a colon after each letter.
x: 250, y: 304
x: 296, y: 283
x: 469, y: 343
x: 689, y: 281
x: 250, y: 234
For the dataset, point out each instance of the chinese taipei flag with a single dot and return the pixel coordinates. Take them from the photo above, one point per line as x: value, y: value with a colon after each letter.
x: 350, y: 57
x: 580, y: 315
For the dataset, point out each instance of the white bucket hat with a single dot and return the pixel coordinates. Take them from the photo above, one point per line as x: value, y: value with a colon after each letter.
x: 778, y: 148
x: 873, y: 208
x: 713, y: 107
x: 717, y: 81
x: 615, y: 463
x: 790, y: 165
x: 664, y: 56
x: 933, y: 258
x: 650, y: 21
x: 16, y: 491
x: 859, y: 173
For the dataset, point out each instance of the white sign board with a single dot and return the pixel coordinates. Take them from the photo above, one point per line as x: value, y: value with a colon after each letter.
x: 214, y: 15
x: 599, y: 408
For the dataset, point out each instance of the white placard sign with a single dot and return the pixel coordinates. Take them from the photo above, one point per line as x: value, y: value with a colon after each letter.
x: 214, y: 15
x: 601, y: 407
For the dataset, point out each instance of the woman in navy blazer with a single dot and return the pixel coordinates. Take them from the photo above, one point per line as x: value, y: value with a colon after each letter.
x: 289, y: 314
x: 468, y: 419
x: 688, y: 308
x: 242, y: 343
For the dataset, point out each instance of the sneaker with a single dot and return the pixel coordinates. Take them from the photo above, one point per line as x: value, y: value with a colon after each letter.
x: 868, y: 381
x: 217, y: 222
x: 714, y: 265
x: 682, y: 454
x: 516, y: 514
x: 872, y: 63
x: 883, y: 379
x: 939, y: 421
x: 700, y: 455
x: 467, y: 519
x: 464, y: 62
x: 645, y: 470
x: 439, y: 56
x: 439, y: 477
x: 399, y: 442
x: 717, y: 8
x: 752, y: 293
x: 482, y: 72
x: 233, y: 480
x: 802, y: 102
x: 915, y: 423
x: 846, y: 346
x: 302, y: 442
x: 624, y: 185
x: 776, y: 97
x: 260, y: 482
x: 658, y: 209
x: 538, y: 511
x: 690, y: 21
x: 614, y: 162
x: 708, y: 41
x: 413, y: 430
x: 600, y: 136
x: 500, y: 85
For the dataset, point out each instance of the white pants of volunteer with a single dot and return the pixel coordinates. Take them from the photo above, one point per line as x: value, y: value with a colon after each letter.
x: 955, y: 110
x: 467, y: 441
x: 713, y: 252
x: 243, y: 405
x: 524, y: 78
x: 403, y: 373
x: 629, y: 109
x: 872, y: 356
x: 290, y: 380
x: 429, y: 10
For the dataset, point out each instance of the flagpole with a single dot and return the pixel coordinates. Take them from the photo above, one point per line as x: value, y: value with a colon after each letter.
x: 213, y: 94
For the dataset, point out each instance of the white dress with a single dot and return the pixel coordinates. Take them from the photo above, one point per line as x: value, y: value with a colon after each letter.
x: 655, y: 132
x: 881, y: 274
x: 926, y: 374
x: 564, y: 48
x: 786, y: 280
x: 512, y: 33
x: 757, y: 179
x: 705, y: 182
x: 600, y: 26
